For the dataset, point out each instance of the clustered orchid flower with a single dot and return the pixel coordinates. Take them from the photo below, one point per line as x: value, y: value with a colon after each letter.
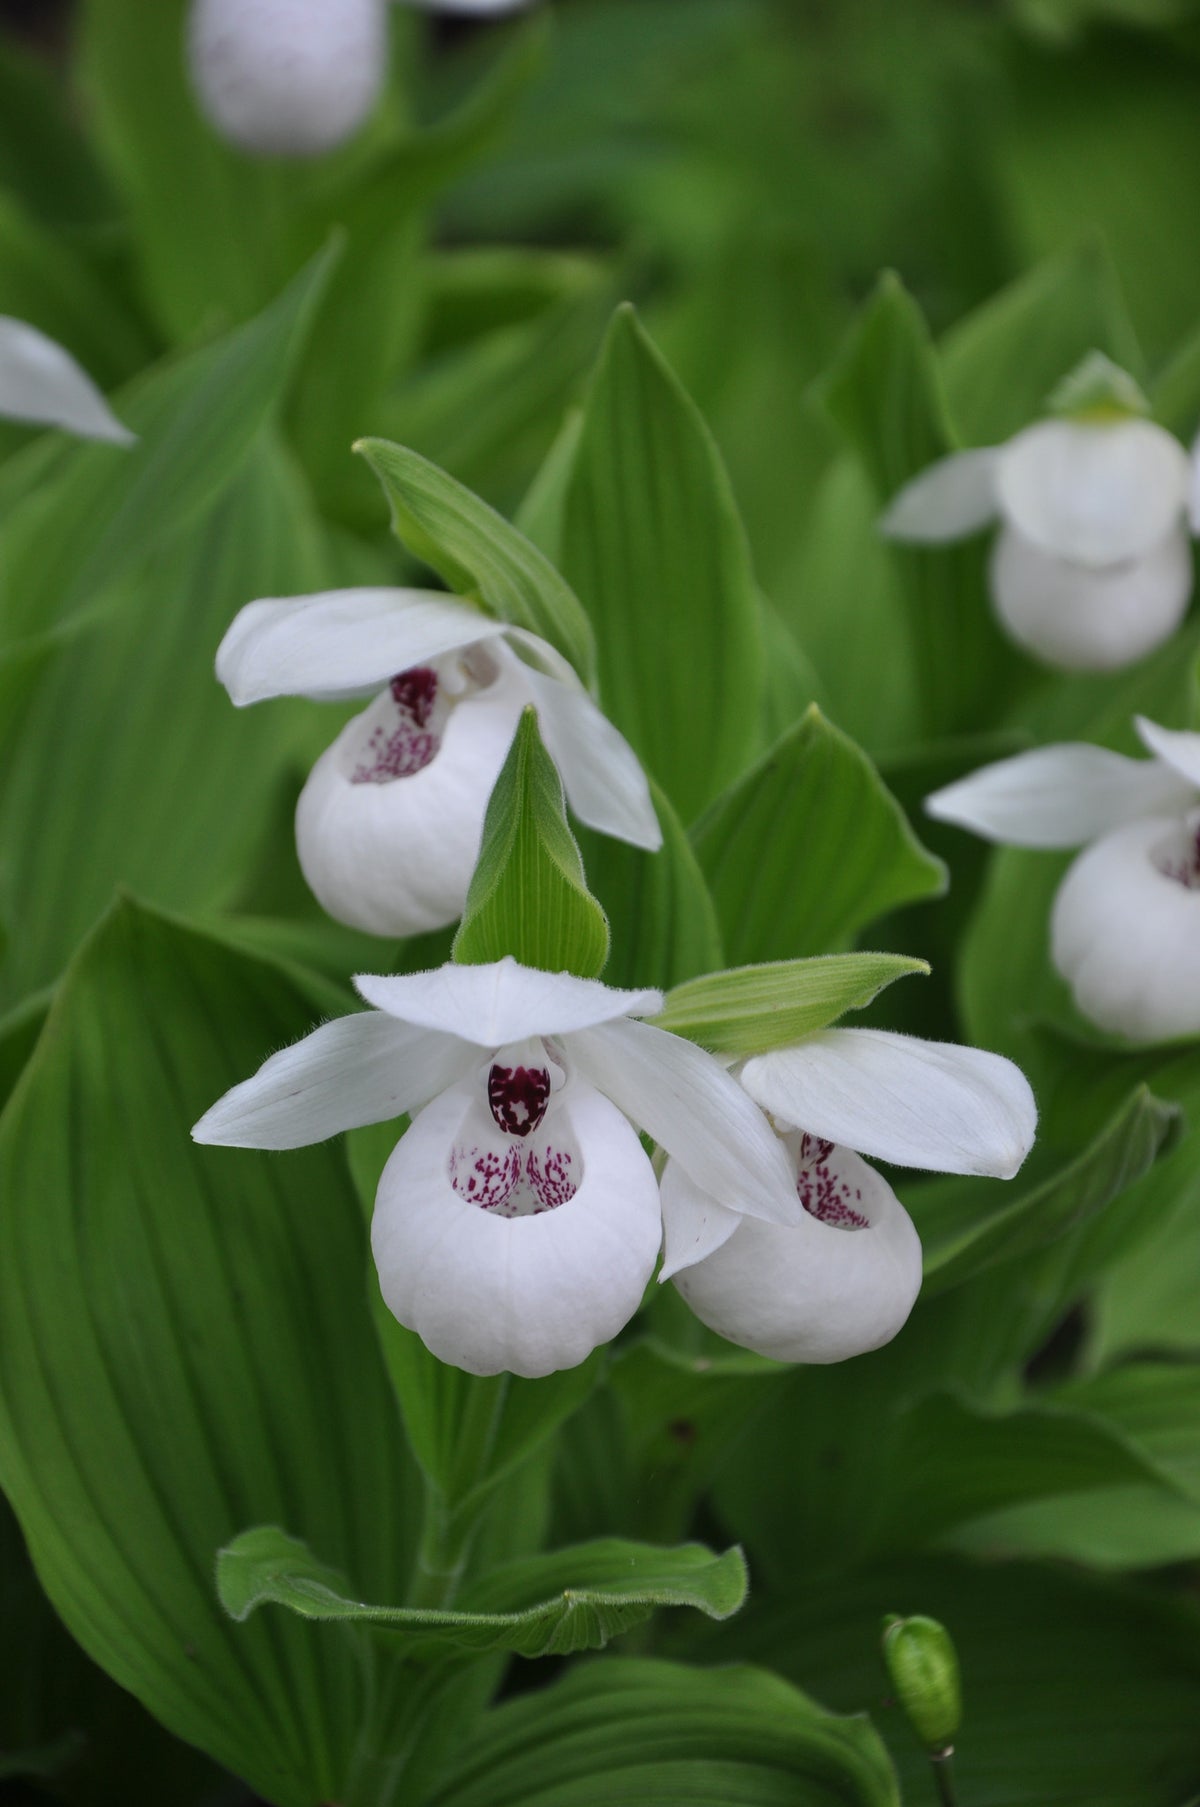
x: 1125, y: 928
x: 1092, y: 567
x: 388, y: 825
x: 41, y: 383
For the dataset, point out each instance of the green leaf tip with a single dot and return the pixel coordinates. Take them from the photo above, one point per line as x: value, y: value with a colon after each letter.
x: 752, y: 1009
x: 1098, y: 391
x: 529, y: 896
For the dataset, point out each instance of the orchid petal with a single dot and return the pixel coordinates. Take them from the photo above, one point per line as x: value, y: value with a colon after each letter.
x: 1096, y: 494
x: 502, y: 1002
x: 1090, y: 617
x: 915, y: 1103
x: 365, y: 1068
x: 339, y: 644
x: 693, y: 1109
x: 396, y: 858
x: 694, y: 1224
x: 528, y: 1294
x: 1194, y: 486
x: 955, y: 496
x: 1125, y: 933
x: 41, y: 383
x: 602, y: 776
x: 1057, y: 796
x: 814, y: 1292
x: 1175, y: 748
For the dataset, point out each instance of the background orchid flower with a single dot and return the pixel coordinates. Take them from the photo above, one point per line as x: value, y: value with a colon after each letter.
x: 842, y: 1277
x: 1092, y: 566
x: 389, y: 823
x: 41, y: 383
x: 1125, y: 928
x: 517, y: 1221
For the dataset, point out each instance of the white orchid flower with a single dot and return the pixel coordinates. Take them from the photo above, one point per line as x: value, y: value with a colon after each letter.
x: 1125, y: 928
x: 42, y: 384
x: 517, y: 1221
x: 294, y: 78
x: 1092, y: 566
x: 842, y: 1277
x: 389, y: 825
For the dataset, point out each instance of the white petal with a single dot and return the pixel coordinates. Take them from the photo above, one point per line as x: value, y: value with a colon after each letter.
x: 503, y: 1002
x: 915, y: 1103
x: 1194, y: 487
x: 955, y: 496
x: 527, y: 1294
x: 341, y: 643
x: 479, y: 7
x: 1176, y: 749
x: 357, y: 1069
x: 694, y: 1110
x: 287, y: 78
x: 1057, y: 796
x: 41, y: 383
x: 1126, y: 936
x: 694, y: 1224
x: 1090, y: 618
x: 813, y: 1292
x: 1094, y: 494
x: 396, y: 858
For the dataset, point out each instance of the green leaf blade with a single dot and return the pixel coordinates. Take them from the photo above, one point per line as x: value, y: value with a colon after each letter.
x: 752, y: 1009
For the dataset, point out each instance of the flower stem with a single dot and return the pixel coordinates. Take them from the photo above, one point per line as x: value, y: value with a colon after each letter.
x: 441, y: 1555
x: 943, y: 1775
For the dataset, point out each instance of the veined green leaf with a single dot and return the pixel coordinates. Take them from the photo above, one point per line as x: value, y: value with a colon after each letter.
x: 573, y: 1599
x: 652, y: 542
x: 807, y: 848
x: 753, y: 1008
x: 478, y: 553
x: 529, y: 896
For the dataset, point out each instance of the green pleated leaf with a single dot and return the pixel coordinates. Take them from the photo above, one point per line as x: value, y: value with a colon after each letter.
x: 478, y: 553
x: 808, y: 848
x: 654, y: 1734
x: 184, y: 1346
x: 754, y: 1008
x: 595, y: 1592
x: 653, y: 544
x: 529, y: 895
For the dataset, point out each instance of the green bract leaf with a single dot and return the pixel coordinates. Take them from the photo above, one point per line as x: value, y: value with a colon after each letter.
x: 478, y: 553
x: 183, y: 1348
x: 754, y: 1008
x: 652, y: 542
x: 595, y: 1591
x: 529, y: 896
x: 656, y: 1734
x: 808, y: 847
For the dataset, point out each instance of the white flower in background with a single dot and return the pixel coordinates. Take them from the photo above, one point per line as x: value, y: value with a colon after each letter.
x: 42, y: 384
x: 1092, y: 567
x: 517, y: 1221
x: 843, y: 1277
x: 389, y: 825
x: 1125, y: 928
x: 294, y: 78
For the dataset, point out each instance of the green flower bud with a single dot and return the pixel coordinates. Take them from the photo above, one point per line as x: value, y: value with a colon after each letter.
x: 923, y: 1668
x: 1098, y: 391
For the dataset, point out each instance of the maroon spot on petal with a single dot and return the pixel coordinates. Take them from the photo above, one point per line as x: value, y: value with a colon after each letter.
x: 826, y: 1196
x: 406, y: 744
x: 551, y: 1177
x: 518, y: 1097
x: 814, y: 1148
x: 415, y: 692
x: 483, y: 1176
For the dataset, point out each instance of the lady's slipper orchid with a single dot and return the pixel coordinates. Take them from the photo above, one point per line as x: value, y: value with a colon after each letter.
x: 517, y: 1221
x: 1125, y: 928
x: 42, y: 384
x: 389, y: 824
x: 843, y: 1277
x: 1092, y: 566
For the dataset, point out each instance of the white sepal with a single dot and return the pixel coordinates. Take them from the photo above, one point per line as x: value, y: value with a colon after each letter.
x: 288, y: 78
x: 1126, y: 936
x: 1090, y: 617
x: 502, y: 1002
x: 1194, y: 486
x: 41, y: 383
x: 602, y: 775
x: 1175, y: 748
x: 529, y: 1294
x: 694, y: 1224
x: 1096, y: 494
x: 912, y: 1102
x: 692, y: 1107
x: 365, y: 1068
x: 813, y: 1292
x: 955, y: 496
x: 1057, y: 796
x: 339, y: 644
